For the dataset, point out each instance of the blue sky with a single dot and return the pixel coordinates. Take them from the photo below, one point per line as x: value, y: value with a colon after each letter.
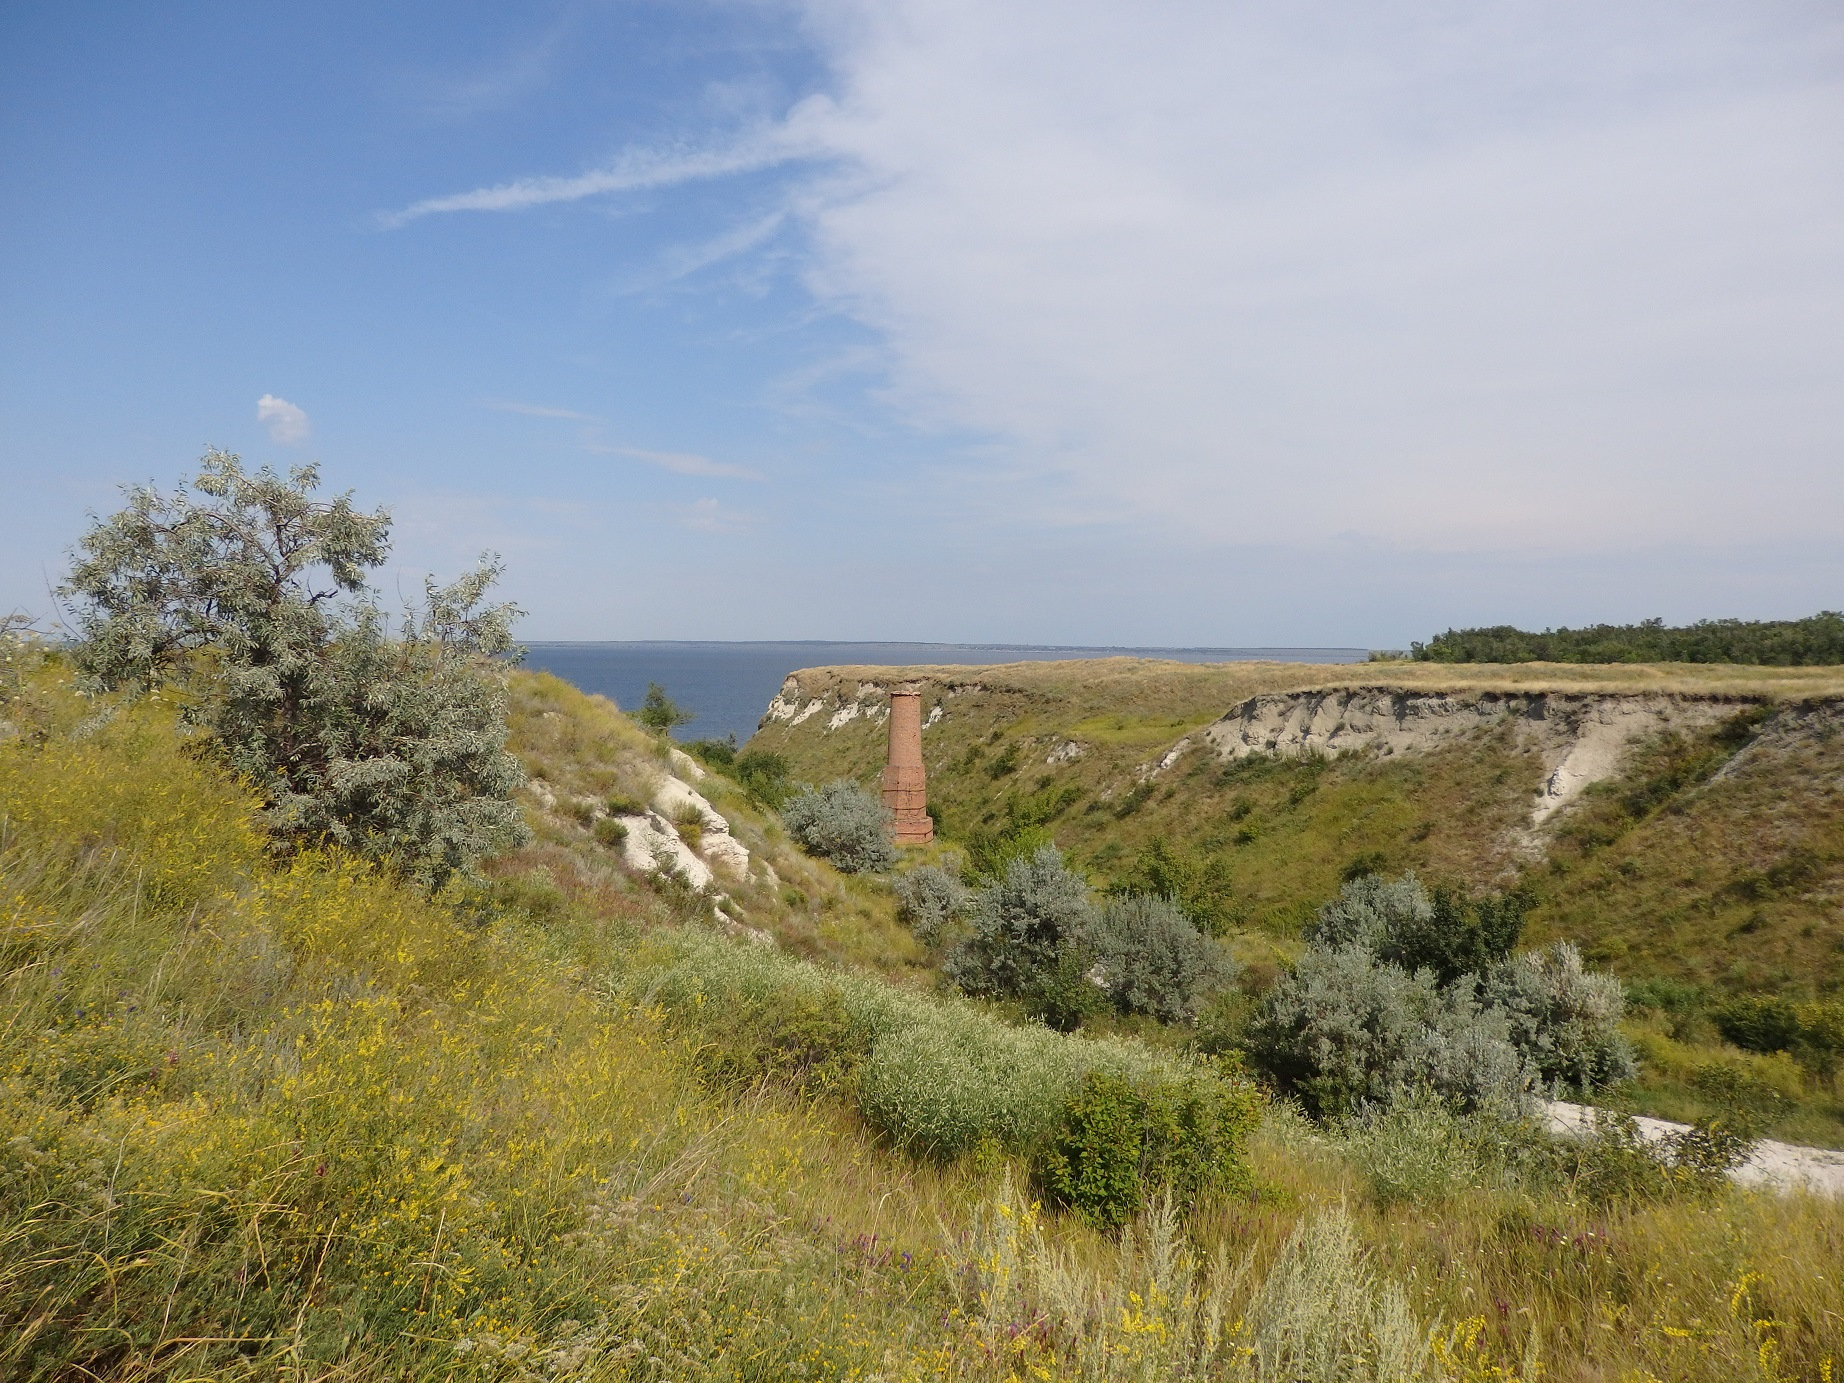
x: 1171, y: 322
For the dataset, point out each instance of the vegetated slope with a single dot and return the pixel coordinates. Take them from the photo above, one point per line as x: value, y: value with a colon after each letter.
x: 1702, y: 840
x: 266, y: 1119
x: 589, y: 764
x: 1683, y: 824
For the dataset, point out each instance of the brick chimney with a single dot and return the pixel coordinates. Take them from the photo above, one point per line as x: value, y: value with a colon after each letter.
x: 905, y: 780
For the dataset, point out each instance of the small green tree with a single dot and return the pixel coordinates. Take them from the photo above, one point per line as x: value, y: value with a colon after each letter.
x: 251, y: 596
x: 660, y: 713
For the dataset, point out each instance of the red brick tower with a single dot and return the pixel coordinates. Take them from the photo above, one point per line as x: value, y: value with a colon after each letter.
x: 905, y: 780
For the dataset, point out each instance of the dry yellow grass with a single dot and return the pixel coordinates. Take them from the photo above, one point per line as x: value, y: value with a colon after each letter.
x: 1156, y: 686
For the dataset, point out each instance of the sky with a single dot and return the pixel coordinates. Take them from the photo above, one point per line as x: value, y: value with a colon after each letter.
x: 1164, y: 323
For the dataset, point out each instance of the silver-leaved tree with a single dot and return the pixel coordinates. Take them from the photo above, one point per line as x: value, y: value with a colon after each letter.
x: 250, y: 595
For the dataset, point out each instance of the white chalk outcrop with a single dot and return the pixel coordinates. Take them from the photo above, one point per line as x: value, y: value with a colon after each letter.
x: 1582, y: 737
x: 675, y: 798
x: 652, y: 845
x: 868, y: 700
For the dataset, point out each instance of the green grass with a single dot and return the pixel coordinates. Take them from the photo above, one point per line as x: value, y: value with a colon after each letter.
x: 1726, y: 879
x: 289, y: 1120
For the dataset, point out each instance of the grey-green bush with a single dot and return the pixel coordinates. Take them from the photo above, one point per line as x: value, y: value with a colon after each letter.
x: 1033, y: 936
x: 1564, y: 1018
x: 1370, y: 911
x: 843, y: 822
x: 1343, y: 1030
x: 1403, y: 923
x: 253, y: 594
x: 1155, y: 962
x: 928, y: 899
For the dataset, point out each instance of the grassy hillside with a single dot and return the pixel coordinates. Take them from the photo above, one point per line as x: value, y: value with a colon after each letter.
x: 267, y: 1118
x: 1713, y: 860
x: 1662, y: 871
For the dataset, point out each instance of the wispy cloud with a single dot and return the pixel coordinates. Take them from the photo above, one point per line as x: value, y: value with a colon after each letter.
x: 286, y: 423
x: 708, y: 516
x: 533, y: 410
x: 679, y: 462
x: 635, y: 170
x: 690, y: 259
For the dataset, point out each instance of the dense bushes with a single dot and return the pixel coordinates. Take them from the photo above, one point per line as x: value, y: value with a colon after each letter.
x: 1563, y: 1018
x: 1036, y: 936
x: 843, y: 822
x: 1811, y: 1032
x: 1403, y: 924
x: 945, y: 1079
x: 1781, y: 643
x: 251, y: 596
x: 1032, y: 935
x: 1379, y: 1006
x: 1119, y: 1142
x: 1344, y: 1030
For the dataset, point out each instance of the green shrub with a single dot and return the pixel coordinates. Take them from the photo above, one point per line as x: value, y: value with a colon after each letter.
x: 843, y: 822
x: 1563, y: 1018
x: 720, y: 754
x: 252, y: 597
x: 1119, y: 1142
x: 764, y: 776
x: 1033, y: 937
x: 1406, y: 925
x: 1812, y: 1032
x: 1758, y: 1023
x: 928, y: 899
x: 610, y: 832
x: 1343, y: 1030
x: 1616, y: 1162
x: 990, y: 850
x: 1155, y: 962
x: 1200, y: 884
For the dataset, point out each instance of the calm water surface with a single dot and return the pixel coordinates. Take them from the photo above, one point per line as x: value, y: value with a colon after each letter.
x: 729, y: 685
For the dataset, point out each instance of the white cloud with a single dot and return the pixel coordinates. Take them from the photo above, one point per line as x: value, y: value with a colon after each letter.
x: 286, y: 423
x: 1490, y: 273
x: 532, y: 410
x: 634, y: 170
x: 1480, y: 276
x: 679, y: 462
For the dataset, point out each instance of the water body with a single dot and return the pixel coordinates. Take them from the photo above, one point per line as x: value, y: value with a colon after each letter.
x: 729, y: 685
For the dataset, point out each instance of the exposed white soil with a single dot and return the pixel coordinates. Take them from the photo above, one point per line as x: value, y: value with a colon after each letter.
x: 652, y: 844
x: 675, y: 797
x: 1582, y: 738
x: 1776, y: 1166
x: 869, y: 699
x: 1065, y: 752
